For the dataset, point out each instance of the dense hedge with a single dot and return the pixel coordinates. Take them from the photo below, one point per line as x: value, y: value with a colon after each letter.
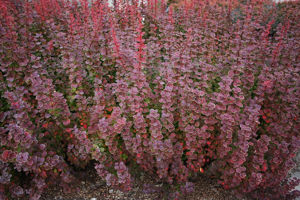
x: 205, y: 87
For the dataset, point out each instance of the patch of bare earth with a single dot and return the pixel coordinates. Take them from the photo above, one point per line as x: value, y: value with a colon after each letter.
x: 92, y: 187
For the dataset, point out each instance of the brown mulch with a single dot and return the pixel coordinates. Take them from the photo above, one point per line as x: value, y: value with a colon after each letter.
x: 92, y: 187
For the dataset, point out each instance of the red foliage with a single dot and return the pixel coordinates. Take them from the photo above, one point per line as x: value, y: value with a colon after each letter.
x: 206, y: 84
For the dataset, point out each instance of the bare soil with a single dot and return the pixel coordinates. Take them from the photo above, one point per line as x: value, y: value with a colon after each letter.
x: 92, y: 187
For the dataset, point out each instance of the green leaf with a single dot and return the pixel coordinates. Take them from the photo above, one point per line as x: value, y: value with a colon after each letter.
x: 124, y: 156
x: 102, y: 149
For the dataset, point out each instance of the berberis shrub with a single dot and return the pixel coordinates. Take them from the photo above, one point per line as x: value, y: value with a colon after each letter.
x: 204, y: 87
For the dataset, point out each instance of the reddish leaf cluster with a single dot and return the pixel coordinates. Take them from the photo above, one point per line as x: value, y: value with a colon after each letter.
x: 204, y: 87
